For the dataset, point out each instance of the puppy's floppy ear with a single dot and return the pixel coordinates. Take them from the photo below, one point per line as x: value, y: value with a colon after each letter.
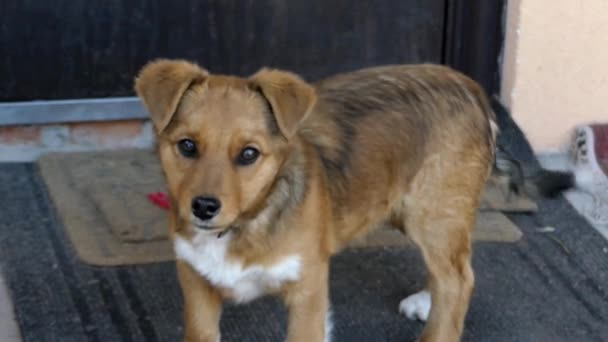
x: 161, y: 85
x: 290, y: 97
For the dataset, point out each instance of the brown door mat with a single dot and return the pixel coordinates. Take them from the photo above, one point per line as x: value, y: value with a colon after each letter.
x: 101, y: 199
x: 497, y: 198
x: 128, y: 213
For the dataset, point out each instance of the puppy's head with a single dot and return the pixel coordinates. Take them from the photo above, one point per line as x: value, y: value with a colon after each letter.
x: 222, y: 139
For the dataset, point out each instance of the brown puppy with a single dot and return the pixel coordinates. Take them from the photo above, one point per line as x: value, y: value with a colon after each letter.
x: 269, y: 176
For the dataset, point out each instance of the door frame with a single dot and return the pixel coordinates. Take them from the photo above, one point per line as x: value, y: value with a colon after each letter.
x: 474, y: 38
x: 472, y: 43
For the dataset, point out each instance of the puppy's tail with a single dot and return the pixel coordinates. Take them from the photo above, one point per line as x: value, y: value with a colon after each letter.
x: 535, y: 181
x: 541, y: 183
x: 550, y: 183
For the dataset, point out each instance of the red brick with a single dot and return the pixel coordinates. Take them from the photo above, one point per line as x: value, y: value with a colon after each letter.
x: 102, y: 133
x: 20, y: 135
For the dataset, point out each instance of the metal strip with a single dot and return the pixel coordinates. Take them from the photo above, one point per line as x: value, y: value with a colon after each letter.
x: 62, y: 111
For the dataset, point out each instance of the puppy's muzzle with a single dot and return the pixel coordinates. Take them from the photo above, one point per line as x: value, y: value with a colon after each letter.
x: 206, y: 208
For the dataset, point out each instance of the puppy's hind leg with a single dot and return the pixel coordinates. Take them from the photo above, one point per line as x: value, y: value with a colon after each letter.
x: 440, y: 221
x: 450, y: 283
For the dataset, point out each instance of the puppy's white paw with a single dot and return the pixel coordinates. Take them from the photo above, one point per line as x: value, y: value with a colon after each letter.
x: 416, y: 306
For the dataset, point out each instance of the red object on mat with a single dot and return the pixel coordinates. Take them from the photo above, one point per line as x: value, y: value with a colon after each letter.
x: 160, y: 199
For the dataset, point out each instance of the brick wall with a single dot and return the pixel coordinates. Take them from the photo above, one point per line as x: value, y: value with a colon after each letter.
x: 26, y: 143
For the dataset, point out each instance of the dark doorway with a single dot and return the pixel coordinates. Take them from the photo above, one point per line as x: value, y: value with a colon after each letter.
x: 67, y: 49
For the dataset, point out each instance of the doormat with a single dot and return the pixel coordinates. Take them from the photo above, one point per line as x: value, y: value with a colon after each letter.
x: 101, y: 199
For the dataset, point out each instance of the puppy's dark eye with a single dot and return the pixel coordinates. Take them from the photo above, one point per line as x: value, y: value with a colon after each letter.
x: 248, y: 156
x: 187, y: 148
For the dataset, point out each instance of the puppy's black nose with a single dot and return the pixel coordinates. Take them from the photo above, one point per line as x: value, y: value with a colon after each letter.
x: 205, y: 208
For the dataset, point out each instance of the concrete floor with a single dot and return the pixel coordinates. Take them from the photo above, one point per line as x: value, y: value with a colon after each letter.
x: 9, y: 332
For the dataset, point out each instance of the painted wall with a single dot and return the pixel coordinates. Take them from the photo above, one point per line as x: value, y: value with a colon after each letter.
x: 555, y: 68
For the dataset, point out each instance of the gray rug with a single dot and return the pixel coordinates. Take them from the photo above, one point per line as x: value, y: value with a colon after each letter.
x: 543, y: 288
x: 546, y: 287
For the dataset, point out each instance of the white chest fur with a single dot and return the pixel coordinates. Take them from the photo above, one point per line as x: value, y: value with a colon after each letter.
x: 207, y: 255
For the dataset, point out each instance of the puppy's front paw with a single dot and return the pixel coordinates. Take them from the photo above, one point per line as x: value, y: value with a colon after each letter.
x: 416, y: 306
